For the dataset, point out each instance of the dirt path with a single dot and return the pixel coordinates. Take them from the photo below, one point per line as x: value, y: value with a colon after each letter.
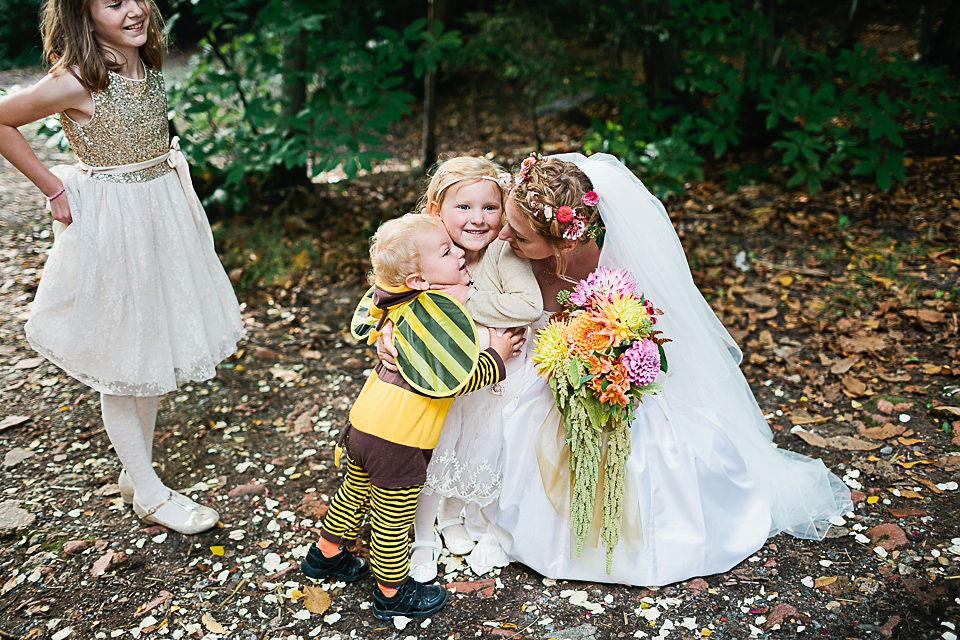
x: 256, y: 443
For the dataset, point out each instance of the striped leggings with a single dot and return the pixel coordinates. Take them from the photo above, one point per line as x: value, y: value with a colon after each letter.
x: 392, y: 510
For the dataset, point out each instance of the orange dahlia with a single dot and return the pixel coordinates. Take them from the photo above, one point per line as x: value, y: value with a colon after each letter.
x: 583, y: 332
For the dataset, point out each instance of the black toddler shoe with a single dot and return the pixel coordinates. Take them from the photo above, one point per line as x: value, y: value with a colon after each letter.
x: 344, y: 566
x: 413, y: 600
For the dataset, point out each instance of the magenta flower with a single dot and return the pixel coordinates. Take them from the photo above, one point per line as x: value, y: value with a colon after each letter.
x: 602, y: 284
x: 642, y: 362
x: 590, y: 198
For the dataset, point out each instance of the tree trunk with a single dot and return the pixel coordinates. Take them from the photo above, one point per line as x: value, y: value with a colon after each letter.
x: 429, y: 147
x: 294, y: 91
x: 925, y: 27
x: 766, y: 38
x: 661, y: 51
x: 945, y: 45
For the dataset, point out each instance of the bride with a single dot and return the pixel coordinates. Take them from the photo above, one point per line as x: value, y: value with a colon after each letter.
x: 705, y: 486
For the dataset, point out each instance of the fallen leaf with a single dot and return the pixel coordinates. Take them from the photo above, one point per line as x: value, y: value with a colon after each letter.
x: 217, y: 551
x: 945, y: 409
x: 935, y: 369
x: 890, y: 430
x: 910, y: 465
x: 29, y: 363
x: 862, y: 343
x: 800, y: 416
x: 924, y: 315
x: 811, y: 438
x: 824, y: 581
x: 852, y: 386
x: 907, y: 512
x: 842, y: 366
x: 910, y: 494
x: 907, y: 442
x: 761, y: 300
x: 315, y: 599
x: 849, y: 443
x: 212, y: 625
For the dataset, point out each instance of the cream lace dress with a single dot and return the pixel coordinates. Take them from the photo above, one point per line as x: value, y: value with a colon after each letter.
x: 133, y: 298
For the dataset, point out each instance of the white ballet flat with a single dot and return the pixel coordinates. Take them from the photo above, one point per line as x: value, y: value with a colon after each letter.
x: 426, y: 571
x: 199, y: 518
x: 459, y: 546
x: 126, y: 487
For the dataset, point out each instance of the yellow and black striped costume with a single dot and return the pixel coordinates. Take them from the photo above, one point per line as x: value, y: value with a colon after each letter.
x: 399, y: 417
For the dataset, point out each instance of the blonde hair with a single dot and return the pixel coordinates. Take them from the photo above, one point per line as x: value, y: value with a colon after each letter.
x: 69, y: 44
x: 554, y: 183
x: 465, y: 169
x: 394, y: 252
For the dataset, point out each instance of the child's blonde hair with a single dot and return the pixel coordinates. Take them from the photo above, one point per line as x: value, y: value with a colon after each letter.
x: 462, y: 169
x: 69, y: 45
x: 394, y: 252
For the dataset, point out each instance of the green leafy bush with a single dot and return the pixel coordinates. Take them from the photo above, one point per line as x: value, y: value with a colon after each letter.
x: 19, y: 33
x: 827, y: 112
x: 245, y: 124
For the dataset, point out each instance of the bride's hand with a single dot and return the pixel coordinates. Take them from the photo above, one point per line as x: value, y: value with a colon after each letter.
x: 385, y: 349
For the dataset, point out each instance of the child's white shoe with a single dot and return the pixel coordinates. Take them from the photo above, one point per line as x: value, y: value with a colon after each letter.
x: 456, y: 540
x: 178, y: 512
x: 126, y: 487
x: 426, y: 571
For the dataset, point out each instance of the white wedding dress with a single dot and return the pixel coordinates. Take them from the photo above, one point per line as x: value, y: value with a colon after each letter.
x: 705, y: 486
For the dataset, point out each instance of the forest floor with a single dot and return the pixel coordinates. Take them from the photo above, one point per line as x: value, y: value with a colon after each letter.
x: 845, y: 304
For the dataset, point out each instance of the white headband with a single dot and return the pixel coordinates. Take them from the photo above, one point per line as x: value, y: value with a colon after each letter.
x: 502, y: 180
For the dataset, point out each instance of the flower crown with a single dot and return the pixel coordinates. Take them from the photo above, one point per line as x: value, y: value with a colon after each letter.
x: 572, y: 221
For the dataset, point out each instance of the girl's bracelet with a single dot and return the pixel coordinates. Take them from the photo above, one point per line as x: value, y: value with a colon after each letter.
x: 56, y: 195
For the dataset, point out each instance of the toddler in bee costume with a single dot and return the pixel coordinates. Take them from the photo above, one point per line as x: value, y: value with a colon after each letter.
x: 396, y: 420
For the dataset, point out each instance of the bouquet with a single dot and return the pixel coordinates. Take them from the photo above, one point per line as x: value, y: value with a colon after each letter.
x: 601, y: 356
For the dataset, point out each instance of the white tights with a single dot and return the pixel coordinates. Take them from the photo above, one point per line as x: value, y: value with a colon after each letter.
x: 431, y: 508
x: 130, y: 422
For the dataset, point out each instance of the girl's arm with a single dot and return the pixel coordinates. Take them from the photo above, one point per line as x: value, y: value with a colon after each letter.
x: 52, y: 94
x: 505, y: 292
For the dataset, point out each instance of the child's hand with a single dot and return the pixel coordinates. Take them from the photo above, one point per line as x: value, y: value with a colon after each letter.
x: 60, y: 208
x: 385, y: 349
x: 509, y: 344
x: 458, y: 291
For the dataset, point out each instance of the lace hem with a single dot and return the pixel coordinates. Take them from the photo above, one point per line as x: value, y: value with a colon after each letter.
x: 478, y: 484
x: 197, y: 373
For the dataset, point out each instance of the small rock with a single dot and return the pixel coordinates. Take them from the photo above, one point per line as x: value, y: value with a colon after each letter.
x: 857, y: 497
x: 75, y: 546
x: 13, y: 517
x: 108, y: 560
x: 263, y: 352
x: 483, y: 587
x: 247, y: 489
x: 887, y: 629
x: 696, y: 585
x: 779, y: 613
x: 888, y: 536
x: 16, y: 456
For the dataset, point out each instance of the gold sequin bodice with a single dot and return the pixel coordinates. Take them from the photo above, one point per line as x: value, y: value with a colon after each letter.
x: 129, y: 125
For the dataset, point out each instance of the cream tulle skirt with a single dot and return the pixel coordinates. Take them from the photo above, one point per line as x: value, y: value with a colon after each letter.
x: 133, y: 298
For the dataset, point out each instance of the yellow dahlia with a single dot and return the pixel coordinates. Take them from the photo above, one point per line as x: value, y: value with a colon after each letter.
x: 550, y: 348
x: 623, y: 317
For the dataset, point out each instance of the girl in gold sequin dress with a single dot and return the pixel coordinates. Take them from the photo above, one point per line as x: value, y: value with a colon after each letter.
x: 133, y: 298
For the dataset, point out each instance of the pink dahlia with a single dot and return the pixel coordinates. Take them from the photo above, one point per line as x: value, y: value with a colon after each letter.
x: 590, y: 198
x: 564, y: 214
x: 642, y: 361
x: 602, y: 284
